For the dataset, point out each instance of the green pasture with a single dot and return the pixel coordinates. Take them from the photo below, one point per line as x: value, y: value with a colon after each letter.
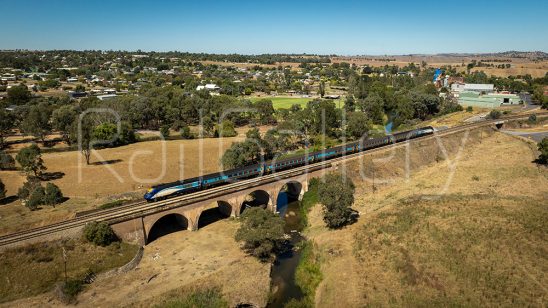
x: 287, y: 102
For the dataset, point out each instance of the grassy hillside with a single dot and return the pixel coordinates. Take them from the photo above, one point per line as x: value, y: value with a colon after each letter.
x: 482, y: 243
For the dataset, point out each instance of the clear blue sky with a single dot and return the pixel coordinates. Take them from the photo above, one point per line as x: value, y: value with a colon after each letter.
x: 252, y: 27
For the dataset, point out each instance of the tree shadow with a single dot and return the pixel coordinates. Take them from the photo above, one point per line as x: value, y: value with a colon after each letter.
x: 8, y: 200
x: 63, y: 200
x: 106, y: 162
x: 51, y: 143
x: 49, y: 176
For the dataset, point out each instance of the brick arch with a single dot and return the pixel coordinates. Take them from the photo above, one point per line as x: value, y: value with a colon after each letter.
x: 259, y: 197
x: 166, y: 224
x: 150, y: 221
x: 212, y: 213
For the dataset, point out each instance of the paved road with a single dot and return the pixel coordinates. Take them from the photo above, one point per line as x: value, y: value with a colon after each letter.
x: 536, y: 136
x: 527, y: 102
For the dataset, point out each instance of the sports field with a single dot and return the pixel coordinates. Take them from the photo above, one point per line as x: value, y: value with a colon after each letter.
x: 287, y: 102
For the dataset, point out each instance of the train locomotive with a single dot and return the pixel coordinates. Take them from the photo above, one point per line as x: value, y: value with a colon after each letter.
x: 167, y: 190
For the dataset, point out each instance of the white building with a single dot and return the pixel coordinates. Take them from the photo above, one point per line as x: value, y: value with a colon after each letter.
x: 477, y: 87
x: 106, y: 97
x: 208, y: 87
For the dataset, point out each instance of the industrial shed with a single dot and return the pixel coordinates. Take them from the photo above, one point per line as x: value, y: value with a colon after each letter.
x: 491, y: 100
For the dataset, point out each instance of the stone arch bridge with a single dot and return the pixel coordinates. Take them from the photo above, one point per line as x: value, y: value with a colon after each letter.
x: 140, y: 228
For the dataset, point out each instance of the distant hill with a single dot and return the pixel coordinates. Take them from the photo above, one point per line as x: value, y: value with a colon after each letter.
x: 505, y: 54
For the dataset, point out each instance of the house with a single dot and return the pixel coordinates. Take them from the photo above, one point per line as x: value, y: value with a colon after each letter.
x: 8, y: 77
x: 72, y: 79
x: 106, y: 97
x: 208, y: 87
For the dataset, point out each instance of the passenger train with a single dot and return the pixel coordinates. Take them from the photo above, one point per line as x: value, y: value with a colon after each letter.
x: 163, y: 191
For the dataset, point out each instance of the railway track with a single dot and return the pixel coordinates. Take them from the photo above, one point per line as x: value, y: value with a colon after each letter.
x: 142, y: 207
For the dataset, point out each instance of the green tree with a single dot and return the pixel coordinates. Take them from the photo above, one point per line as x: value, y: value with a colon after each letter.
x: 37, y: 121
x: 82, y: 134
x: 350, y: 104
x: 208, y: 126
x: 265, y: 111
x: 261, y: 231
x: 358, y: 124
x: 52, y: 195
x: 538, y: 94
x: 3, y: 190
x: 373, y: 106
x: 185, y: 132
x: 322, y: 89
x: 6, y: 161
x: 19, y: 95
x: 543, y: 149
x: 319, y: 117
x: 105, y: 132
x: 7, y: 122
x: 164, y: 130
x: 336, y: 193
x: 253, y: 133
x: 30, y: 159
x: 226, y: 129
x: 32, y: 193
x: 63, y: 119
x: 241, y: 153
x: 99, y: 233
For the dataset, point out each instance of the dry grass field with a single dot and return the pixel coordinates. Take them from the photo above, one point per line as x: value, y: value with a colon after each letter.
x: 519, y: 66
x: 482, y: 243
x: 35, y: 269
x: 208, y: 257
x: 114, y: 173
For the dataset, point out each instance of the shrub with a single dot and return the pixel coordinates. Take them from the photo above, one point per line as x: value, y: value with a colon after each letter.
x: 164, y: 130
x: 543, y: 149
x: 185, y: 132
x: 112, y: 204
x: 262, y: 232
x: 532, y: 119
x: 6, y: 161
x: 494, y: 114
x: 209, y: 298
x: 308, y: 275
x: 52, y: 195
x: 469, y: 109
x: 67, y: 291
x: 99, y: 233
x: 2, y: 190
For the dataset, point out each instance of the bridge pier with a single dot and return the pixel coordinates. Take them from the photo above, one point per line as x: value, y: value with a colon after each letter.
x: 304, y: 188
x: 193, y: 217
